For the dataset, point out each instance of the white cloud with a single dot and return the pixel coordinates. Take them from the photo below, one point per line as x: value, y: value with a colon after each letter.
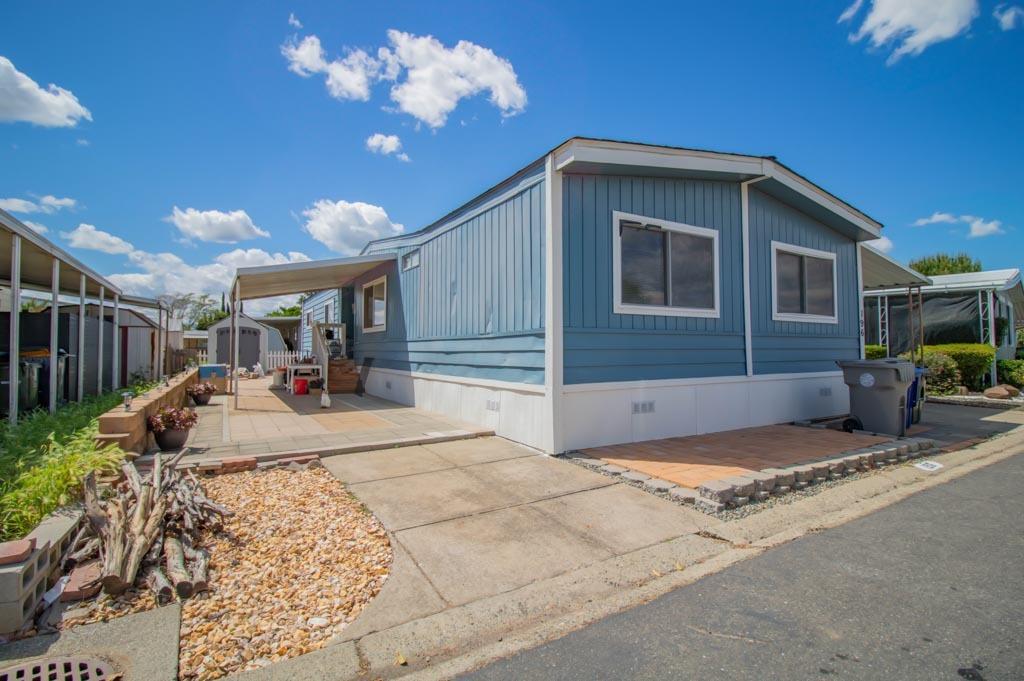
x: 1009, y: 16
x: 347, y: 78
x: 215, y: 225
x: 911, y: 26
x: 39, y: 229
x: 935, y: 217
x: 882, y: 244
x: 82, y: 142
x: 88, y: 237
x: 380, y: 143
x: 22, y: 100
x: 167, y: 273
x: 981, y: 227
x: 44, y: 204
x: 346, y: 227
x: 294, y: 20
x: 18, y: 206
x: 438, y: 77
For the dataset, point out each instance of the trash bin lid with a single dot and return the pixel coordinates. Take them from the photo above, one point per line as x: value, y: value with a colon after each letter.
x: 903, y: 367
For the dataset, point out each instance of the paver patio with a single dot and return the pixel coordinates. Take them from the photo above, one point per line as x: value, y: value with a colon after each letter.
x: 692, y: 461
x: 273, y: 421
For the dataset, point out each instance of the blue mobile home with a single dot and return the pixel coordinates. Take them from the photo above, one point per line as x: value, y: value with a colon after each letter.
x: 610, y: 292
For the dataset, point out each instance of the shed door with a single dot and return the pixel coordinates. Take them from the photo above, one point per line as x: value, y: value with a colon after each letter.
x: 248, y: 346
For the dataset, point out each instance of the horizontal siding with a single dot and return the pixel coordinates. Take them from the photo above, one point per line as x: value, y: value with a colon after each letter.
x: 474, y: 307
x: 603, y: 346
x: 792, y: 347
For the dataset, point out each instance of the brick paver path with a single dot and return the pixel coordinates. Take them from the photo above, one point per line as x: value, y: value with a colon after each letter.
x: 691, y: 461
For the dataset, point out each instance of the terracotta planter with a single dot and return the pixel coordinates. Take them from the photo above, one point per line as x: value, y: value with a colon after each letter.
x: 200, y: 399
x: 171, y: 439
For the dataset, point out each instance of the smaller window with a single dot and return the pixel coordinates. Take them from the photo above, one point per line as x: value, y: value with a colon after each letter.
x: 375, y: 305
x: 327, y: 313
x: 803, y: 284
x: 309, y: 319
x: 411, y: 260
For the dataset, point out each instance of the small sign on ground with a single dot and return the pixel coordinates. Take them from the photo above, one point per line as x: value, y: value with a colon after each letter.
x: 930, y: 466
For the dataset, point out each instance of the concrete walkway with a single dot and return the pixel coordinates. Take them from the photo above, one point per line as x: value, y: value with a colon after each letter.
x: 929, y: 588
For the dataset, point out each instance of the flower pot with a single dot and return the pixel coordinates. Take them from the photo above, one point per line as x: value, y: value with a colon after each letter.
x: 170, y: 439
x: 201, y: 398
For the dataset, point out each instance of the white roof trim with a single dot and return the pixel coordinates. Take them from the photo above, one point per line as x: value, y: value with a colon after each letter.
x: 298, y: 277
x: 882, y: 272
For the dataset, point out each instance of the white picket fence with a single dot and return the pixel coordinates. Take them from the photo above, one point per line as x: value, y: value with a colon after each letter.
x: 280, y: 359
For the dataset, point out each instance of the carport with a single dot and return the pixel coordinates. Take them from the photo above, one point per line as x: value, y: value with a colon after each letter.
x: 31, y: 262
x: 879, y: 272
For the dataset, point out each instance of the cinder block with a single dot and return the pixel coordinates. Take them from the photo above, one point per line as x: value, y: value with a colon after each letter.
x: 716, y: 490
x: 304, y: 459
x: 612, y: 469
x: 742, y: 486
x: 764, y: 481
x: 658, y: 485
x: 683, y: 494
x: 782, y: 476
x: 708, y: 505
x: 804, y: 474
x: 781, y: 489
x: 762, y: 495
x: 820, y: 471
x: 852, y: 462
x: 635, y: 477
x: 738, y: 501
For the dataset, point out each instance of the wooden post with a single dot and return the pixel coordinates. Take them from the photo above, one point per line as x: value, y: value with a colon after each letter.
x: 54, y: 321
x: 14, y: 354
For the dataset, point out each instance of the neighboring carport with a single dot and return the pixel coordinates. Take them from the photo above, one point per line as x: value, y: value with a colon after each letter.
x: 880, y: 272
x: 31, y: 262
x: 292, y: 278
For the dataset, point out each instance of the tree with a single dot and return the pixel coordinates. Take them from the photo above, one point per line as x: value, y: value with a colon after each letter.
x: 286, y: 311
x: 945, y: 263
x: 209, y: 317
x: 190, y: 308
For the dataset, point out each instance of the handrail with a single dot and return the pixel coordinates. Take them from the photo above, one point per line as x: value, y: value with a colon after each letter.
x: 327, y: 348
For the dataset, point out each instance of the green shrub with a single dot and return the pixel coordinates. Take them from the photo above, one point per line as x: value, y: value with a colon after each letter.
x: 972, y: 360
x: 943, y: 374
x: 875, y: 352
x: 1011, y: 371
x: 45, y: 457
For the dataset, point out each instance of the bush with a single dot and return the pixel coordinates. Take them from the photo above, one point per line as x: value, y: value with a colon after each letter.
x: 875, y: 352
x: 972, y: 360
x: 45, y: 457
x: 943, y: 375
x: 1011, y: 371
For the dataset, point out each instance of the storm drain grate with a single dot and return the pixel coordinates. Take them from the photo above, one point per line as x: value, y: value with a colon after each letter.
x: 59, y: 669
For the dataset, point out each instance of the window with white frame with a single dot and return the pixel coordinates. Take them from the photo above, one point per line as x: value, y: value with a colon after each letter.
x: 664, y: 268
x: 411, y: 260
x: 375, y: 305
x: 803, y: 284
x: 327, y: 312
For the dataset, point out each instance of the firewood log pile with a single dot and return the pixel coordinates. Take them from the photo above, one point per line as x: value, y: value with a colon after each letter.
x: 148, y: 531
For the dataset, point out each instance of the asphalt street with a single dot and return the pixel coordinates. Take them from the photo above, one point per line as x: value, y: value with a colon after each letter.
x: 928, y: 588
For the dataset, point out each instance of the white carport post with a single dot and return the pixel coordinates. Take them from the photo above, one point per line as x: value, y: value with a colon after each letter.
x: 160, y: 342
x: 99, y: 346
x: 14, y: 348
x: 992, y: 335
x: 80, y: 359
x: 54, y: 322
x: 115, y: 346
x: 234, y: 327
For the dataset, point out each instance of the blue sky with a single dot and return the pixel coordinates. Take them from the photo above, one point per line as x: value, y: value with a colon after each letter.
x: 910, y: 110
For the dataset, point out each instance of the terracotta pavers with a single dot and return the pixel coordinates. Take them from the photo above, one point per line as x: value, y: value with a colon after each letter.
x: 691, y: 461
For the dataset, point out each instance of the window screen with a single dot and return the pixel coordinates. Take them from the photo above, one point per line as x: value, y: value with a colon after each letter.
x: 804, y: 284
x: 666, y: 267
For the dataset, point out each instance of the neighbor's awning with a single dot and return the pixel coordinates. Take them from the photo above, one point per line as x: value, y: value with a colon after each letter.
x: 300, y: 277
x: 879, y: 271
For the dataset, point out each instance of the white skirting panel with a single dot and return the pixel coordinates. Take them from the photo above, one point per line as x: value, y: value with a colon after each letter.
x: 611, y: 413
x: 513, y: 413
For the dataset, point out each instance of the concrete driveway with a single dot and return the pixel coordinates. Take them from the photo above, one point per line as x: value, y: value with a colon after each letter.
x: 475, y: 518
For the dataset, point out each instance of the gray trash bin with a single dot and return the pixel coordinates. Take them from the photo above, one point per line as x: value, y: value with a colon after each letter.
x: 878, y: 393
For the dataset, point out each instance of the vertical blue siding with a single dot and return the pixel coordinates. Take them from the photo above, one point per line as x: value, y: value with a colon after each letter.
x: 786, y: 347
x: 315, y: 304
x: 475, y: 305
x: 601, y: 345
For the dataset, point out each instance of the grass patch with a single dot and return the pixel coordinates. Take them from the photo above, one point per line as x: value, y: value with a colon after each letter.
x: 45, y: 457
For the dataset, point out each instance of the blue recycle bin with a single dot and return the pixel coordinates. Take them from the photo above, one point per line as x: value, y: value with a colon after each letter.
x: 208, y: 371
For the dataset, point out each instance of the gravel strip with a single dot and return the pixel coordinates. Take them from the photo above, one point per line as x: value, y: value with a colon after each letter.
x: 295, y: 565
x: 292, y: 568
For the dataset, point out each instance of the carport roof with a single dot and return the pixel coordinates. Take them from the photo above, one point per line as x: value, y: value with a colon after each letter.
x: 300, y: 277
x: 879, y: 271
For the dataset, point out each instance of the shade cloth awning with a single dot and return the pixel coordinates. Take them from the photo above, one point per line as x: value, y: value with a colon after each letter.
x: 879, y: 271
x: 301, y: 277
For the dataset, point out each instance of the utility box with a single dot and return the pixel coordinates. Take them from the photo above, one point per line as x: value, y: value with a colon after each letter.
x: 878, y: 393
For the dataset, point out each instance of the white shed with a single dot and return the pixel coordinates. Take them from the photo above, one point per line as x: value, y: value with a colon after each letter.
x: 256, y: 341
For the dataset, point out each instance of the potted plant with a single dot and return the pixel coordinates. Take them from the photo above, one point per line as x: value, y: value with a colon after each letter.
x: 170, y: 426
x: 201, y: 392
